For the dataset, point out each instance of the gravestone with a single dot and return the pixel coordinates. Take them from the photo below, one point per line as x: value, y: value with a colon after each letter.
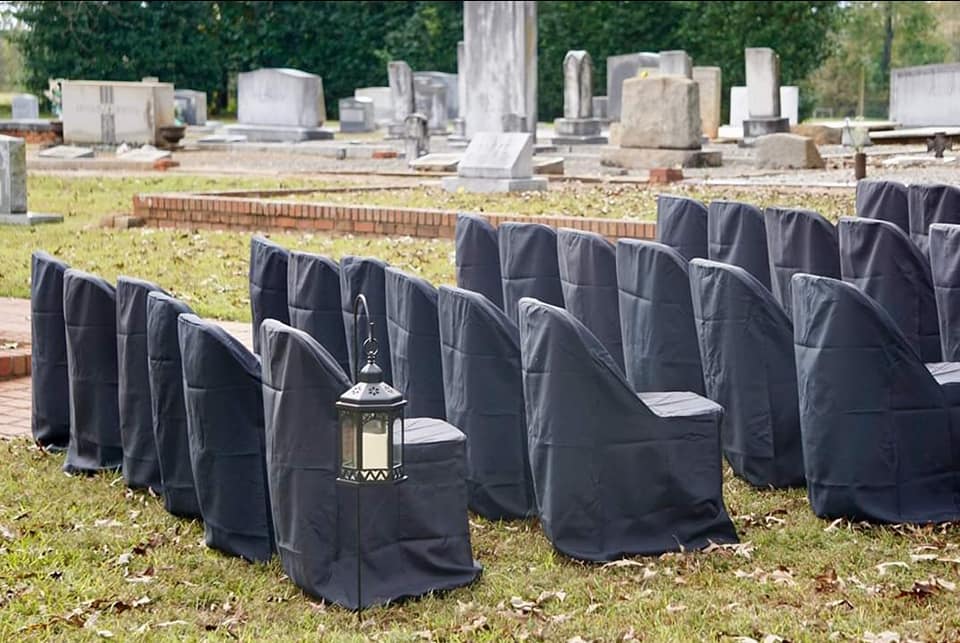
x: 790, y: 103
x: 577, y: 125
x: 430, y: 99
x: 459, y: 135
x: 601, y: 108
x: 763, y: 94
x: 192, y: 106
x: 400, y: 77
x: 928, y: 95
x: 382, y: 106
x: 25, y: 107
x: 451, y: 82
x: 496, y: 162
x: 67, y: 152
x: 500, y: 46
x: 708, y: 81
x: 739, y: 109
x: 675, y: 63
x: 659, y: 126
x: 13, y: 185
x: 787, y: 151
x: 622, y: 67
x: 280, y: 105
x: 416, y: 137
x: 145, y: 154
x: 112, y: 112
x: 356, y: 115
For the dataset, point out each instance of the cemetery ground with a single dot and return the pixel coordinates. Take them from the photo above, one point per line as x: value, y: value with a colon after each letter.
x: 85, y: 558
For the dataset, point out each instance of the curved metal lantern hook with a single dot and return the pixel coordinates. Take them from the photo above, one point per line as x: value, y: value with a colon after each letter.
x: 369, y: 345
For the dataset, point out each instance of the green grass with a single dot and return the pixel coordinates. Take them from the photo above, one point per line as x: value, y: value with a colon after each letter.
x: 80, y: 556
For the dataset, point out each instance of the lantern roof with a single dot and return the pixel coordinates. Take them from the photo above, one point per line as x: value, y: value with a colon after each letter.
x: 371, y: 390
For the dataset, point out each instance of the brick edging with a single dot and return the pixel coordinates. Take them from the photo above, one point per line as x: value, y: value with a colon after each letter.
x: 15, y: 363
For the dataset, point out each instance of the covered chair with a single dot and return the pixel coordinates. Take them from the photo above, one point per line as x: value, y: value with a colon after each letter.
x: 881, y: 260
x: 90, y: 320
x: 746, y: 342
x: 480, y: 348
x: 366, y: 276
x: 660, y: 346
x: 682, y: 225
x: 588, y: 277
x: 50, y: 418
x: 478, y: 257
x: 929, y: 204
x: 166, y: 397
x: 799, y: 241
x: 945, y: 265
x: 880, y: 434
x: 268, y: 284
x: 414, y: 535
x: 415, y: 343
x: 528, y: 265
x: 610, y: 475
x: 224, y: 402
x: 313, y: 299
x: 736, y: 234
x: 884, y: 200
x: 141, y: 466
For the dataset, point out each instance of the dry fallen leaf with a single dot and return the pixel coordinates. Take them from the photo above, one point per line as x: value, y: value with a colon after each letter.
x: 882, y: 567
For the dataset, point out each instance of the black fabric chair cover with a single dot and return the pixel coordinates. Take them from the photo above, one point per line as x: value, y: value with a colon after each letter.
x: 610, y: 475
x: 746, y: 342
x: 415, y: 343
x: 480, y: 347
x: 528, y: 265
x: 682, y: 225
x: 141, y: 466
x: 799, y: 241
x: 884, y: 200
x: 588, y: 277
x: 737, y: 235
x: 313, y: 292
x: 166, y: 397
x: 366, y: 276
x: 50, y: 418
x: 268, y: 284
x: 881, y: 260
x: 478, y: 257
x: 928, y: 204
x: 659, y: 336
x: 945, y: 265
x: 414, y: 535
x: 224, y: 402
x: 880, y: 437
x: 90, y: 320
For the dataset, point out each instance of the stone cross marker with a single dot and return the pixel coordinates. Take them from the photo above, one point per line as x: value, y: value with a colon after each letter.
x: 25, y: 107
x: 496, y: 162
x: 763, y: 94
x: 578, y: 124
x: 400, y: 78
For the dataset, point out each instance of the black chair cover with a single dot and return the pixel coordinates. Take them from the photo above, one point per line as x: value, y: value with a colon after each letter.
x: 50, y: 419
x: 528, y: 265
x: 928, y: 204
x: 415, y: 343
x: 799, y: 241
x: 659, y: 336
x: 588, y: 277
x: 366, y: 276
x: 224, y: 402
x: 737, y: 235
x: 90, y: 319
x: 881, y: 260
x: 141, y: 466
x: 313, y: 291
x: 884, y: 200
x: 414, y: 535
x: 610, y: 475
x: 682, y: 225
x: 945, y: 265
x: 480, y: 347
x: 166, y: 396
x: 478, y: 257
x: 746, y: 340
x: 880, y: 437
x: 268, y: 284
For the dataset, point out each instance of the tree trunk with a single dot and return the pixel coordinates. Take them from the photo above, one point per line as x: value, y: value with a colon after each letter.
x: 887, y: 41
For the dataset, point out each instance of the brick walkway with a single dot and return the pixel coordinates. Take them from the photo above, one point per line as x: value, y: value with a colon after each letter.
x: 15, y: 394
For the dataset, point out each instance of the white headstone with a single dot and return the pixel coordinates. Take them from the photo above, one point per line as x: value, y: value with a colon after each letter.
x: 13, y: 175
x: 382, y: 107
x: 192, y: 105
x: 498, y: 155
x: 356, y: 115
x: 66, y: 152
x: 739, y: 110
x: 577, y: 85
x: 109, y: 112
x: 281, y: 97
x: 928, y: 95
x: 400, y: 78
x: 25, y: 107
x: 676, y: 63
x: 450, y: 81
x: 790, y: 103
x: 763, y: 82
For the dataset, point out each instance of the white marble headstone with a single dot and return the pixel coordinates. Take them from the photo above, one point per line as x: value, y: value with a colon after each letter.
x: 494, y: 155
x: 13, y: 175
x: 25, y: 107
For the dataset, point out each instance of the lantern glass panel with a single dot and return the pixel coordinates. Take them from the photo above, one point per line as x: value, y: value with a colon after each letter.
x: 397, y: 440
x: 376, y: 451
x: 348, y: 437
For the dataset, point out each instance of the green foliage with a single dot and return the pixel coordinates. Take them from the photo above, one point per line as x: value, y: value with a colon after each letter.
x: 427, y: 40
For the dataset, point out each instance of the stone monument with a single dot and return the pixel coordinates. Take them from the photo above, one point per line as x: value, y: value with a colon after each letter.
x: 659, y: 126
x: 13, y: 185
x: 763, y: 94
x: 111, y: 112
x: 382, y: 107
x: 675, y: 63
x: 192, y: 106
x: 416, y: 136
x: 356, y: 115
x: 622, y: 67
x: 400, y: 77
x: 500, y: 46
x: 280, y: 105
x: 25, y: 107
x: 430, y: 99
x: 578, y: 124
x: 496, y: 162
x: 709, y: 85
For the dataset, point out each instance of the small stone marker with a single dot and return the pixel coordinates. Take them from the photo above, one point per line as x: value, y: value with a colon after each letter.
x: 145, y: 154
x: 66, y: 152
x: 577, y: 125
x: 497, y: 162
x: 417, y: 136
x: 357, y: 115
x: 25, y: 107
x: 790, y: 103
x: 13, y: 185
x: 401, y: 95
x: 763, y: 94
x: 787, y: 151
